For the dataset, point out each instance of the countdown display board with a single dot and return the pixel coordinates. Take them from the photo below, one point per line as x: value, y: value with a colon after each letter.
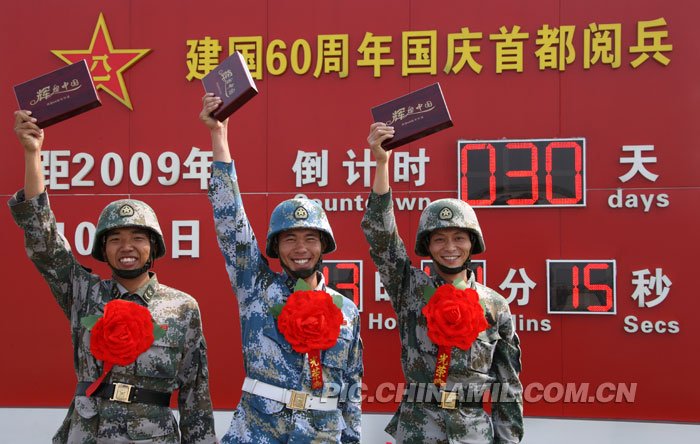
x: 522, y: 173
x: 575, y: 129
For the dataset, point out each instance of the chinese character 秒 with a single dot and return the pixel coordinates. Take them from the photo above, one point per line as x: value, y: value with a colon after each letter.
x: 659, y: 283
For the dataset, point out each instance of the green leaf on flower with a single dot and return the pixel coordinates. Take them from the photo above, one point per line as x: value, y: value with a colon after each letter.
x: 428, y: 292
x: 301, y: 285
x: 460, y: 284
x: 338, y: 301
x: 158, y: 331
x: 276, y: 310
x: 89, y: 321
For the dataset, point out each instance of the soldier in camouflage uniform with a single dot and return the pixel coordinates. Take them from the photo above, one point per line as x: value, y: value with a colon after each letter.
x: 449, y: 233
x: 129, y: 239
x: 299, y: 234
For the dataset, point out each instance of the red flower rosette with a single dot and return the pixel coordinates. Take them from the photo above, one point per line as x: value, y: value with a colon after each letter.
x: 310, y: 321
x: 455, y: 318
x: 118, y: 337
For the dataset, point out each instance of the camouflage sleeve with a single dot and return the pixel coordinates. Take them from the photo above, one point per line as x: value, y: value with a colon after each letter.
x: 508, y: 415
x: 386, y: 248
x: 233, y: 230
x: 46, y: 246
x: 194, y: 400
x: 352, y: 407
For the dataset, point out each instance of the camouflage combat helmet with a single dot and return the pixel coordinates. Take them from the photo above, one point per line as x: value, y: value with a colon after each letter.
x: 298, y: 213
x: 448, y: 213
x: 127, y: 213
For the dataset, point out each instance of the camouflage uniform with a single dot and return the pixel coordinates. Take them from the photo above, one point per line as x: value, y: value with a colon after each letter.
x: 178, y: 360
x: 493, y: 357
x: 267, y: 356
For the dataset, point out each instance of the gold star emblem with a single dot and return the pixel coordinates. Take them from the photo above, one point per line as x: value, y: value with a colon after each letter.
x: 107, y: 64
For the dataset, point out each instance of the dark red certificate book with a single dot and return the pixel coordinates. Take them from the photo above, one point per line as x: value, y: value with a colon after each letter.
x: 232, y: 82
x: 414, y: 115
x: 58, y: 95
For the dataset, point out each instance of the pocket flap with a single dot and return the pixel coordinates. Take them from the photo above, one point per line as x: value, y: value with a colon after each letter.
x: 270, y: 330
x: 146, y: 428
x: 86, y: 407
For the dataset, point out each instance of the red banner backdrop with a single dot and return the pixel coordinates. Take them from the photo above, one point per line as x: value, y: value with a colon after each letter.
x: 621, y: 77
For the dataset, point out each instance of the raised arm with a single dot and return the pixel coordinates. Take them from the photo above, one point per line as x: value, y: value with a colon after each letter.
x: 233, y: 230
x: 218, y: 130
x: 45, y: 246
x: 387, y: 250
x: 378, y: 133
x: 32, y: 138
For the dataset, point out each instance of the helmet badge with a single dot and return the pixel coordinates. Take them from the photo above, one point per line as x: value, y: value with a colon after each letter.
x: 126, y: 210
x: 446, y: 214
x: 301, y: 213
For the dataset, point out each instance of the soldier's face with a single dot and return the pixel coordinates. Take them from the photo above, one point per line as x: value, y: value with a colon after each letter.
x: 300, y: 249
x: 450, y: 246
x: 127, y: 248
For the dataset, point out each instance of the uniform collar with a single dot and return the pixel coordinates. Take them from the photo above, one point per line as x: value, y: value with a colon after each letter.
x: 471, y: 281
x: 290, y: 282
x: 145, y: 293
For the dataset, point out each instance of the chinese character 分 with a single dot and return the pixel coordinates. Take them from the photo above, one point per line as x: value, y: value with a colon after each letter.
x: 516, y: 287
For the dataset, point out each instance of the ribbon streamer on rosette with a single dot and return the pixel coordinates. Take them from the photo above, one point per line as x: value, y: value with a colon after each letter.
x: 120, y: 335
x: 455, y: 318
x: 310, y: 321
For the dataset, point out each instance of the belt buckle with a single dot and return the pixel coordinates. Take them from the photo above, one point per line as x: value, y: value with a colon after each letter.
x: 297, y: 401
x: 448, y: 400
x: 122, y: 392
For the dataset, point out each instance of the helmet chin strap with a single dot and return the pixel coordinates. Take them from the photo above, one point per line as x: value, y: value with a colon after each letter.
x: 452, y: 270
x: 131, y: 274
x: 301, y: 274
